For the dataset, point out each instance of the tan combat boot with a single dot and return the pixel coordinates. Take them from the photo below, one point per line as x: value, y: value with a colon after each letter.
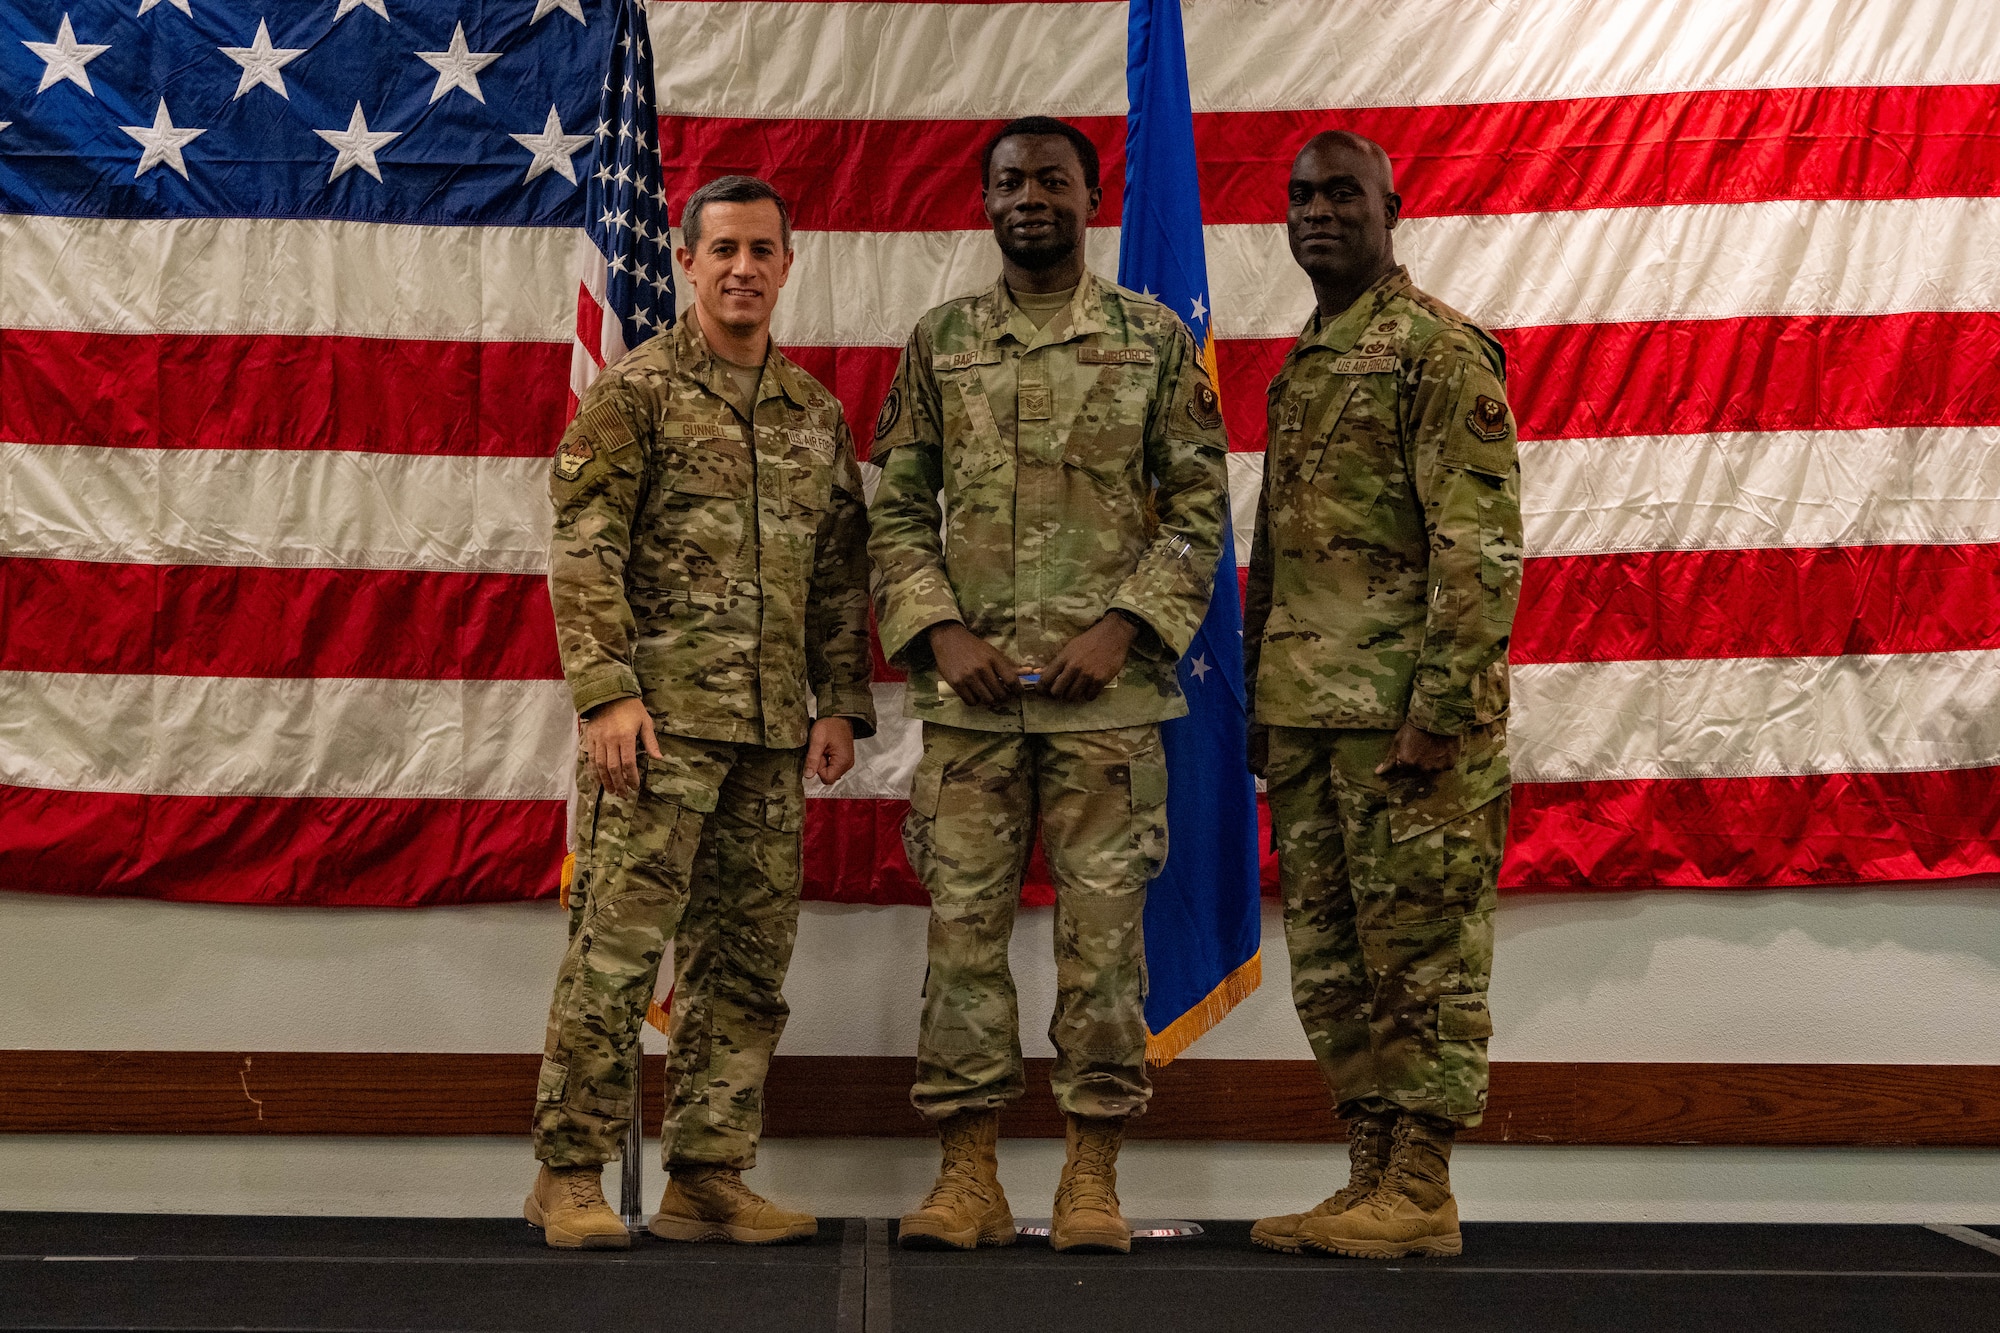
x: 1410, y: 1212
x: 1087, y: 1216
x: 967, y: 1207
x: 1367, y: 1156
x: 713, y: 1203
x: 568, y: 1204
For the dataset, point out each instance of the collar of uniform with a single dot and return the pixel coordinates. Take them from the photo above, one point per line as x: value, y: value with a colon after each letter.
x: 698, y: 359
x: 1083, y: 316
x: 1339, y: 334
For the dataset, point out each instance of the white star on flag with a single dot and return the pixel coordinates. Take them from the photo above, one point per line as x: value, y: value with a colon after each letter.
x: 1200, y: 310
x: 544, y: 8
x: 65, y: 57
x: 162, y: 142
x: 261, y: 62
x: 181, y: 5
x: 357, y: 143
x: 1200, y: 667
x: 457, y: 66
x: 347, y: 7
x: 552, y: 149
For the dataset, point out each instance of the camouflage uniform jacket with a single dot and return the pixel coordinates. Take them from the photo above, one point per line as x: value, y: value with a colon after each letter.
x: 718, y: 580
x: 1387, y: 560
x: 1042, y: 443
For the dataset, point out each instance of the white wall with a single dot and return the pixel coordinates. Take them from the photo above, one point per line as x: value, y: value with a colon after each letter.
x: 1877, y: 975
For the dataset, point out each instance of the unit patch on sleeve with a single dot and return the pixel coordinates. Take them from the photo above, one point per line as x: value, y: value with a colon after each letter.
x: 892, y: 411
x: 571, y: 458
x: 1205, y: 407
x: 1487, y: 419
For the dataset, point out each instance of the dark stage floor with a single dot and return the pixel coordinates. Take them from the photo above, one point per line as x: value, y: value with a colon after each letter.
x: 76, y: 1270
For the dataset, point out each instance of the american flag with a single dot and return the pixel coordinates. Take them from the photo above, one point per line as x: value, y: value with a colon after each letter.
x: 275, y: 439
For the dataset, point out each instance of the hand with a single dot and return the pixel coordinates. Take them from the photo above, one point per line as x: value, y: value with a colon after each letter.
x: 1417, y: 753
x: 830, y: 749
x: 977, y: 672
x: 1089, y: 662
x: 1259, y: 750
x: 611, y: 733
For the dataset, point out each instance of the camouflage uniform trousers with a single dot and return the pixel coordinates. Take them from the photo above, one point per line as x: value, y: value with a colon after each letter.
x: 707, y: 855
x: 1101, y: 800
x: 1389, y: 897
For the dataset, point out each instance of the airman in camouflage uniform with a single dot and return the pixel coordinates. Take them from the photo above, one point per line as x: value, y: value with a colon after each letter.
x: 1044, y: 437
x: 709, y: 559
x: 1383, y: 580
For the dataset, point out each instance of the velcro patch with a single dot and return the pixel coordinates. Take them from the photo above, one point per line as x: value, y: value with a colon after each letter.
x: 892, y: 412
x: 701, y: 430
x: 607, y: 425
x: 1115, y: 356
x: 1363, y: 365
x: 1205, y: 407
x: 570, y: 459
x: 1487, y: 419
x: 982, y: 356
x: 819, y: 441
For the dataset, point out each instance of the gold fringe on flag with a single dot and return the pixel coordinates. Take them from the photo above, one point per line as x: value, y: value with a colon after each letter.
x: 568, y: 878
x: 1185, y: 1031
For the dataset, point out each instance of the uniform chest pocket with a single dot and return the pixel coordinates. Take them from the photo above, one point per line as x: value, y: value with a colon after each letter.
x: 973, y: 463
x: 714, y: 472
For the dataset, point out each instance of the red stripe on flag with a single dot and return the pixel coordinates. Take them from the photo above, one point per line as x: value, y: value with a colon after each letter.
x: 271, y: 391
x: 1815, y: 602
x: 864, y: 175
x: 1680, y: 377
x: 1734, y: 146
x: 590, y: 324
x: 1711, y: 833
x: 220, y: 620
x: 310, y: 851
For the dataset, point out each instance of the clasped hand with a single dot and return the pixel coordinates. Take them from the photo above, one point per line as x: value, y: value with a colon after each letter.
x: 983, y: 676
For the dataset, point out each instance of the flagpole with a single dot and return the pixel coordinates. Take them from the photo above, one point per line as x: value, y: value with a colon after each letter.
x: 632, y: 1179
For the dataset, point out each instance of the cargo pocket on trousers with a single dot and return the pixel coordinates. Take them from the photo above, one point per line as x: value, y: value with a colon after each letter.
x: 1149, y: 808
x: 926, y: 790
x: 549, y: 1088
x: 1463, y: 1025
x: 665, y: 831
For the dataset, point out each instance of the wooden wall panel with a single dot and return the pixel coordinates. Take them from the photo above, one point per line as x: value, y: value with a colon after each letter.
x: 1267, y: 1101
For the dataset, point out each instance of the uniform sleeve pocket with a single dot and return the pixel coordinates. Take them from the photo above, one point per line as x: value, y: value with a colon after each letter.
x: 926, y: 787
x: 1464, y: 1017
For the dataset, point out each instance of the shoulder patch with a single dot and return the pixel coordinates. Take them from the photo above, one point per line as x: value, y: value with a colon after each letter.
x: 1115, y: 356
x: 1363, y: 365
x: 607, y: 426
x: 1487, y: 419
x: 1205, y: 407
x: 891, y: 413
x: 570, y: 459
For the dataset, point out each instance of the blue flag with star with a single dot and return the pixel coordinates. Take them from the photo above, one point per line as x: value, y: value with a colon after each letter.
x: 1202, y: 913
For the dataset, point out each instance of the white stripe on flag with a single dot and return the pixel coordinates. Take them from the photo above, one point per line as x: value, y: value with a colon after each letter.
x: 1770, y: 489
x: 1711, y: 261
x: 288, y: 276
x: 1755, y: 716
x: 275, y: 507
x: 232, y: 736
x: 959, y: 61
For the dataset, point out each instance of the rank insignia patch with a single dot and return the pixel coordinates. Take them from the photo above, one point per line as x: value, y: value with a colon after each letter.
x: 1294, y: 415
x: 892, y: 411
x: 571, y: 458
x: 1488, y: 418
x: 1205, y: 407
